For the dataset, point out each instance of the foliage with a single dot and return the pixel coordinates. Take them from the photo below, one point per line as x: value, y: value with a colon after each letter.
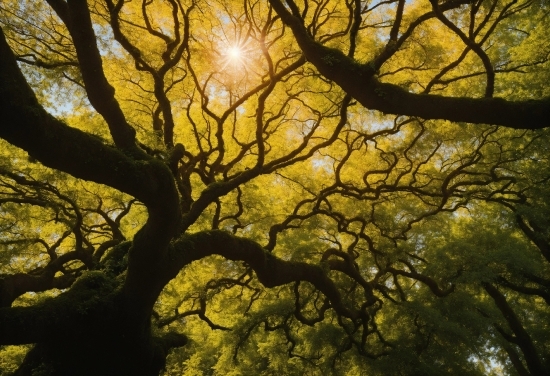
x: 271, y: 187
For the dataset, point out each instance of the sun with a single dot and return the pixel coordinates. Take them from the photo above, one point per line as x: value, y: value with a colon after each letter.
x: 234, y: 53
x: 235, y: 58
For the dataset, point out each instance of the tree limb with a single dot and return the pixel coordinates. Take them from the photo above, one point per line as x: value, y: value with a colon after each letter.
x: 359, y: 81
x: 271, y: 271
x: 523, y: 339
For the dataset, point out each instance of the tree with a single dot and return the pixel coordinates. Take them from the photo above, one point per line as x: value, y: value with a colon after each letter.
x: 274, y: 187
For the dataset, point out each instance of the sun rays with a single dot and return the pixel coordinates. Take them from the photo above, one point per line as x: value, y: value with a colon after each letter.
x: 236, y: 56
x: 234, y: 53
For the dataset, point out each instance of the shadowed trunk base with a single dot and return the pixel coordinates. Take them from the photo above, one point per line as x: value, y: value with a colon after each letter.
x: 92, y: 329
x: 107, y: 347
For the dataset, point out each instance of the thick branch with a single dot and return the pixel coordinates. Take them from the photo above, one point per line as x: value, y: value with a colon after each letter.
x: 27, y: 125
x: 271, y: 271
x: 359, y: 81
x: 525, y: 290
x: 57, y: 316
x: 535, y: 237
x: 523, y: 339
x: 14, y: 285
x: 76, y: 16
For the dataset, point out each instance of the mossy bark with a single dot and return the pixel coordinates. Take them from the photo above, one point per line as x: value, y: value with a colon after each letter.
x: 90, y: 330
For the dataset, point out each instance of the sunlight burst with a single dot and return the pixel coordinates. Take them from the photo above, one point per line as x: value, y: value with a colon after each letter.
x: 234, y: 53
x: 235, y: 56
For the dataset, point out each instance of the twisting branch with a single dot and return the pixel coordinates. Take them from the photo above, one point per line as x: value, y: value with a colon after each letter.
x: 76, y: 15
x: 271, y: 271
x: 360, y: 82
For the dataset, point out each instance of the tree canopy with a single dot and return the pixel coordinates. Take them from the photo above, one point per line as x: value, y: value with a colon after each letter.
x: 274, y: 187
